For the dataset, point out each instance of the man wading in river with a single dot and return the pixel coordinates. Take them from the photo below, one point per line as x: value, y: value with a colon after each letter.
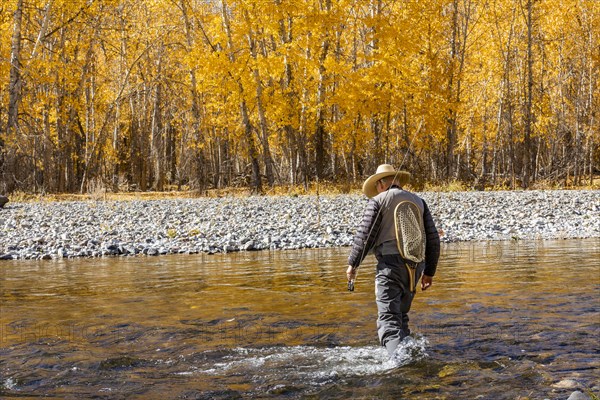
x: 398, y: 227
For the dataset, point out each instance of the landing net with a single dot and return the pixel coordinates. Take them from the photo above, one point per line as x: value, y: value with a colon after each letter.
x: 410, y: 231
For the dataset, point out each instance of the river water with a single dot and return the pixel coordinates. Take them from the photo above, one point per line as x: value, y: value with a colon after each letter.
x: 503, y: 320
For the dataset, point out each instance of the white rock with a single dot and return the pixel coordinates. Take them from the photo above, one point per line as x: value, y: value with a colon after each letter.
x: 577, y: 395
x: 566, y: 384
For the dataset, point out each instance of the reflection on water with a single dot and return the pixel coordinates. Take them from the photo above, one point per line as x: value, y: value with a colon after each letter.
x: 503, y: 320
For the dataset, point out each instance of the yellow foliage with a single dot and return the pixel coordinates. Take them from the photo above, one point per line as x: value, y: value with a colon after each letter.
x: 101, y: 76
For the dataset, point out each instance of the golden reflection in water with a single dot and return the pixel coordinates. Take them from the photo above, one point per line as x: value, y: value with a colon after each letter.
x: 247, y: 292
x: 105, y: 312
x: 306, y: 286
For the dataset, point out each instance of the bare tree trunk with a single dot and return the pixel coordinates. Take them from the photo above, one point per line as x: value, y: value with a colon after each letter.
x: 157, y: 130
x: 15, y: 83
x: 291, y: 133
x: 303, y: 129
x: 61, y: 124
x: 262, y: 120
x: 482, y: 180
x: 511, y: 143
x: 592, y: 101
x: 506, y: 109
x: 451, y: 118
x: 526, y: 172
x: 14, y: 88
x: 320, y: 152
x: 196, y: 111
x: 142, y: 134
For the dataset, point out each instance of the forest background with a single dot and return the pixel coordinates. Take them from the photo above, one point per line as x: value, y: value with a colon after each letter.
x: 197, y: 94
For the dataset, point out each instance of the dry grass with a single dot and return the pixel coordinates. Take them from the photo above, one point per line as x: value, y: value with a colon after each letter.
x: 322, y: 188
x: 457, y: 186
x: 568, y: 185
x: 100, y: 196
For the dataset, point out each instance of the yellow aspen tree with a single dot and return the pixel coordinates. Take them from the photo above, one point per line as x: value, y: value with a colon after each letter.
x: 237, y: 74
x: 251, y: 30
x: 145, y: 95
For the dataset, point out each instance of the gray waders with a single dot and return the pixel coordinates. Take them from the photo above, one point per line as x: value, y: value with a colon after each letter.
x: 398, y: 275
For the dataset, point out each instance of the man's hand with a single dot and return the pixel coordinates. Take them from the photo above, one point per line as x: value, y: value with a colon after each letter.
x: 350, y: 273
x: 426, y: 282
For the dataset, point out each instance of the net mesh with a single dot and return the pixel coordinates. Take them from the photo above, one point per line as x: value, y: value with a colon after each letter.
x: 410, y: 232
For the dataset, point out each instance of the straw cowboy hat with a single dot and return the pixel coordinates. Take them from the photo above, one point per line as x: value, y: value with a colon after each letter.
x: 383, y: 171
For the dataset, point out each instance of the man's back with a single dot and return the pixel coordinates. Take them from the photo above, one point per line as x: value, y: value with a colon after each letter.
x: 388, y: 201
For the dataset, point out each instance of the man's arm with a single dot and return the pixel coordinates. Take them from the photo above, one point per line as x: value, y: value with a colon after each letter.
x: 432, y: 243
x: 365, y: 236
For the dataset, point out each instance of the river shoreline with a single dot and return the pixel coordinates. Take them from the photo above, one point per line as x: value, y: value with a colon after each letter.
x: 54, y: 230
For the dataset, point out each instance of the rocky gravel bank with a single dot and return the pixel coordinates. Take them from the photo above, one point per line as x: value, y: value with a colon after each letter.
x: 48, y: 230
